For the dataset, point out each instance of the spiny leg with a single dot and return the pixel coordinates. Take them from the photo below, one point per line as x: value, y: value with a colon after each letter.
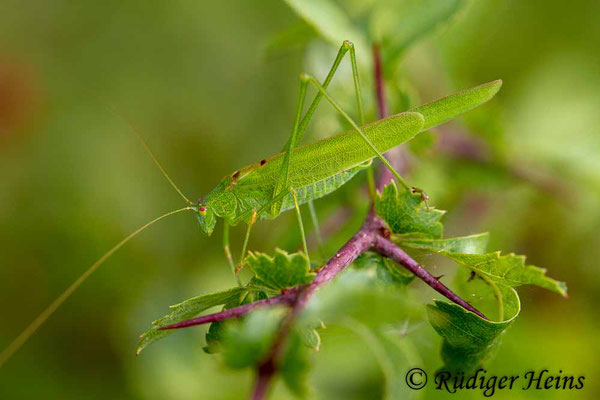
x: 336, y: 106
x: 361, y: 114
x: 227, y: 250
x: 300, y: 124
x: 282, y: 184
x: 246, y: 239
x: 370, y: 175
x: 346, y: 45
x: 301, y: 225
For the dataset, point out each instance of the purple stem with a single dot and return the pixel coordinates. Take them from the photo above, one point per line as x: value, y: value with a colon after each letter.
x: 263, y: 380
x: 388, y: 249
x: 379, y: 84
x: 288, y: 297
x: 358, y: 244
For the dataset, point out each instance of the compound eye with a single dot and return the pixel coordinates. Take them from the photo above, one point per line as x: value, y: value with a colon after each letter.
x: 202, y: 210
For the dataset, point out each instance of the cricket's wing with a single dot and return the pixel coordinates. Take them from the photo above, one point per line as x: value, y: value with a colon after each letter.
x: 325, y: 158
x: 439, y: 111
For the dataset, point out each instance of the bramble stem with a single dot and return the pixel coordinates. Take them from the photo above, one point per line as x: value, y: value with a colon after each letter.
x: 263, y: 381
x: 286, y: 298
x: 389, y: 249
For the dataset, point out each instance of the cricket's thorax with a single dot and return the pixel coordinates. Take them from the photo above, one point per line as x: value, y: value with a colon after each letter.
x: 316, y: 169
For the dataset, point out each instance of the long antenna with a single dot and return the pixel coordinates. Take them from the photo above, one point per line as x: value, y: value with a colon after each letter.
x: 40, y: 319
x: 141, y: 138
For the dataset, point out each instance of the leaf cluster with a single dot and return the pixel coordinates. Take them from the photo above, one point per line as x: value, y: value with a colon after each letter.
x: 368, y: 22
x: 468, y: 338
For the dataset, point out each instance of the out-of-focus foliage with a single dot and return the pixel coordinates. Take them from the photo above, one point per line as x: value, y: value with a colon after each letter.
x: 394, y: 24
x: 247, y: 342
x: 193, y: 77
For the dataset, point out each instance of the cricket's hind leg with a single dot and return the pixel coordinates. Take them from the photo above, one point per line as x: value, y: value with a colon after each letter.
x: 300, y: 123
x: 337, y: 107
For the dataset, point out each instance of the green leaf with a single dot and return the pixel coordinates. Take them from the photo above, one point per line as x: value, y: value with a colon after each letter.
x: 186, y: 310
x: 442, y: 110
x: 509, y: 270
x: 281, y: 271
x: 247, y: 342
x: 327, y: 18
x: 213, y: 337
x: 406, y: 213
x: 468, y: 339
x: 399, y: 24
x: 473, y: 244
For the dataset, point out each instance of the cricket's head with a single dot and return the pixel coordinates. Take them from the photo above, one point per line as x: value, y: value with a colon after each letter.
x: 206, y: 217
x: 220, y: 202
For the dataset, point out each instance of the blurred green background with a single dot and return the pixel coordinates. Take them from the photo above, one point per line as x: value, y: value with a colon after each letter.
x: 196, y: 79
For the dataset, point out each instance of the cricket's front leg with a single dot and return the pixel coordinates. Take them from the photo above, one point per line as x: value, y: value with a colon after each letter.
x: 246, y: 239
x: 227, y: 250
x: 300, y: 224
x: 301, y: 122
